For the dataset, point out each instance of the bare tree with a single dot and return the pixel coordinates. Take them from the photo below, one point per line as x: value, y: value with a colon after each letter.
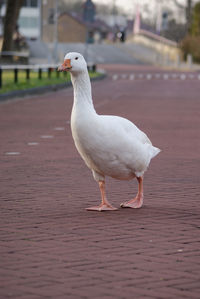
x: 10, y: 22
x: 188, y: 11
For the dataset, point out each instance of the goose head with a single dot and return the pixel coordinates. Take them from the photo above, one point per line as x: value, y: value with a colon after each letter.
x: 74, y: 63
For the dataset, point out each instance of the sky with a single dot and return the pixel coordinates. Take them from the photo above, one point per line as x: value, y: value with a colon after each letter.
x: 129, y: 5
x: 151, y: 7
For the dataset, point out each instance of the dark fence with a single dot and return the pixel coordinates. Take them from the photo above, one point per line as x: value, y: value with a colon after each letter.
x: 40, y: 69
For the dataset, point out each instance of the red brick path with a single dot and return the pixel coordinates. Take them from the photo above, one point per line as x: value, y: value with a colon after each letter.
x: 51, y: 247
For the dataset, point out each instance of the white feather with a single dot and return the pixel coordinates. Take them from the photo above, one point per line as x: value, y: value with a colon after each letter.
x: 110, y: 145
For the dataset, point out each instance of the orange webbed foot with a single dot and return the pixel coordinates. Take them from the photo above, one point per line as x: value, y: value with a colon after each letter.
x: 135, y: 203
x: 101, y: 208
x: 105, y: 205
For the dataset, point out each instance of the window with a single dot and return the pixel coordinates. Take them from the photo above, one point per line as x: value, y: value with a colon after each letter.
x: 28, y: 22
x: 34, y: 3
x: 30, y: 3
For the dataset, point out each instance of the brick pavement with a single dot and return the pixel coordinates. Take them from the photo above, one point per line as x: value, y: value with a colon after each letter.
x: 51, y: 247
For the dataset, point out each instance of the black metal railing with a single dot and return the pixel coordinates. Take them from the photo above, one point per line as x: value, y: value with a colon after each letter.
x: 40, y: 69
x: 27, y: 69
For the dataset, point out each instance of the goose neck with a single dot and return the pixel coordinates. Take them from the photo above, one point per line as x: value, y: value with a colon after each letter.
x: 82, y: 88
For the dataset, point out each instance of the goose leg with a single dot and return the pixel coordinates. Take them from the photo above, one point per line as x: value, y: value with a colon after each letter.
x: 138, y: 200
x: 105, y: 205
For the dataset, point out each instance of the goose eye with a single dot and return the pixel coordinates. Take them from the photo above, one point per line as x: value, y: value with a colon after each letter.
x: 76, y: 58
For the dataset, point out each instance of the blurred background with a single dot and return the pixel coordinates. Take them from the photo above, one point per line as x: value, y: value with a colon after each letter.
x: 163, y: 32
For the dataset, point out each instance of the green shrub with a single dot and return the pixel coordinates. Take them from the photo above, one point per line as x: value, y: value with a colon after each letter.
x: 191, y: 45
x: 195, y: 25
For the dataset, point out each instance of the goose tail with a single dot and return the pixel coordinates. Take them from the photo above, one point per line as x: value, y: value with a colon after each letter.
x: 154, y: 151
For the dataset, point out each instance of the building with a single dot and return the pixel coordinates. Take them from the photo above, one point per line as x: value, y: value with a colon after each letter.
x: 40, y: 19
x: 71, y: 29
x: 29, y: 18
x: 66, y: 27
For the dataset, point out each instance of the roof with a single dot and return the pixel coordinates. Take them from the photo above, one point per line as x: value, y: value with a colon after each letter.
x: 97, y: 24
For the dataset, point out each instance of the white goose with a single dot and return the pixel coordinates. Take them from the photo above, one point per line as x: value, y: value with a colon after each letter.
x: 110, y: 145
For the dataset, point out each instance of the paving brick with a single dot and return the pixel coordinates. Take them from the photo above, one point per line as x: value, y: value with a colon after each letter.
x: 51, y: 247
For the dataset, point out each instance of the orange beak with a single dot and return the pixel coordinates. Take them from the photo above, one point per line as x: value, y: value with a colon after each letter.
x: 66, y: 66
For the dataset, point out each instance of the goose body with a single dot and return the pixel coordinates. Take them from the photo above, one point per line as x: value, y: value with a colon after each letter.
x: 110, y: 145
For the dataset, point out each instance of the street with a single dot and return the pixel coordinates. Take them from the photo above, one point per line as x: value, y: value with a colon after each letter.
x: 94, y: 53
x: 51, y: 247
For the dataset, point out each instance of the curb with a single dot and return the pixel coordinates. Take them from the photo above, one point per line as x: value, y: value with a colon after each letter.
x: 43, y: 89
